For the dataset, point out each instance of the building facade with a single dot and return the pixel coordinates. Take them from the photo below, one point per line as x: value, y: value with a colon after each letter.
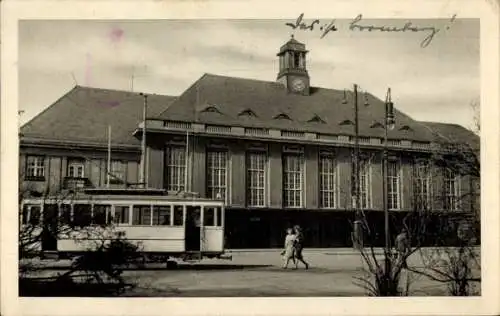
x: 278, y: 152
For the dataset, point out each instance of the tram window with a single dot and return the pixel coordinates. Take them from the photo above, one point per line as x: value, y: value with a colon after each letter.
x: 35, y: 213
x: 121, y: 215
x: 141, y: 215
x: 209, y: 217
x: 178, y: 215
x: 219, y: 216
x: 31, y: 215
x: 82, y: 215
x: 193, y: 216
x: 65, y: 214
x: 25, y: 215
x: 50, y: 214
x: 161, y: 215
x: 99, y: 216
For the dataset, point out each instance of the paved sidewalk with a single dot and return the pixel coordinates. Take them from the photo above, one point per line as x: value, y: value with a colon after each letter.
x: 345, y: 258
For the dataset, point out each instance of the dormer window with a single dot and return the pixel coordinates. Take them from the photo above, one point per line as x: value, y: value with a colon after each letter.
x: 282, y: 116
x: 347, y: 122
x: 248, y: 113
x: 211, y: 109
x: 376, y: 125
x: 316, y: 119
x: 405, y: 128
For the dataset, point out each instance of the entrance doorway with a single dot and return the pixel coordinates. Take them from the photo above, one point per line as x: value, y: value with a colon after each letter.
x: 193, y: 228
x: 49, y: 232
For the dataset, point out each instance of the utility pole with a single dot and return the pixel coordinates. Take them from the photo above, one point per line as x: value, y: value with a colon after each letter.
x: 358, y: 229
x: 143, y: 143
x: 389, y: 125
x: 109, y: 157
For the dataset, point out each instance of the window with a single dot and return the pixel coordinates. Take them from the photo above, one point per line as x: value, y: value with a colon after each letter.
x: 65, y: 214
x: 100, y: 214
x: 82, y: 215
x: 393, y: 185
x: 365, y: 182
x: 297, y: 61
x: 327, y: 180
x: 35, y: 166
x: 212, y: 216
x: 211, y: 109
x: 256, y: 183
x: 178, y: 215
x: 218, y: 216
x: 293, y: 174
x: 176, y: 168
x: 209, y: 216
x: 117, y: 172
x: 377, y: 125
x: 31, y: 215
x: 247, y: 112
x: 422, y: 194
x: 346, y: 122
x: 121, y: 214
x: 193, y: 215
x: 316, y: 119
x: 141, y: 215
x: 76, y: 169
x: 282, y: 116
x: 450, y: 190
x: 216, y: 174
x: 161, y: 215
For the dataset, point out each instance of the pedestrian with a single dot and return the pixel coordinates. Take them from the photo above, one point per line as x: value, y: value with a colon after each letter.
x: 298, y: 247
x: 288, y: 251
x: 402, y: 245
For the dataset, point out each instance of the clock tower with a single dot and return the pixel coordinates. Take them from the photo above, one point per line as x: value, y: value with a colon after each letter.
x: 293, y: 72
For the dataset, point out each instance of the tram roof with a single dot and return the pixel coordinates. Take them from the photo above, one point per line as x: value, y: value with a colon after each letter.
x: 139, y: 194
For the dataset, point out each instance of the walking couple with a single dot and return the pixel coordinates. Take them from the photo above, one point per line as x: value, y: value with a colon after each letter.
x: 294, y: 243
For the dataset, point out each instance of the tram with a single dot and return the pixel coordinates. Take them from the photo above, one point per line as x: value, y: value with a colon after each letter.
x: 162, y: 225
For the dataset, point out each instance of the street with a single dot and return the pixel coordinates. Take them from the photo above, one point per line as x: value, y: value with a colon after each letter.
x: 259, y: 273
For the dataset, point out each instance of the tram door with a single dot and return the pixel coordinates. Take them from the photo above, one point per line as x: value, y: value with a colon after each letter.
x: 212, y: 229
x: 193, y: 228
x: 49, y: 232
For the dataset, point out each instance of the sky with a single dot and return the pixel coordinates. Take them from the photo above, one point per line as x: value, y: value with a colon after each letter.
x: 433, y: 83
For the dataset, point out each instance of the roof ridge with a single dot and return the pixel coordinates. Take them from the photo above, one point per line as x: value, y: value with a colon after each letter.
x: 443, y: 123
x: 123, y: 91
x: 275, y: 82
x: 196, y: 82
x: 37, y: 116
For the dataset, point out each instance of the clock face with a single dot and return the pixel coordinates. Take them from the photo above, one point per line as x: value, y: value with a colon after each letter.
x: 298, y: 85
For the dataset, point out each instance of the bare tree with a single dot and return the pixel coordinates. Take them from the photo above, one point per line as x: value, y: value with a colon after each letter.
x: 457, y: 265
x: 476, y: 110
x: 452, y: 258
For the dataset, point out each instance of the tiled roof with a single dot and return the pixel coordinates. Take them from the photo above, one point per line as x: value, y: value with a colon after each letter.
x: 453, y: 133
x: 233, y: 101
x: 83, y: 115
x: 294, y: 45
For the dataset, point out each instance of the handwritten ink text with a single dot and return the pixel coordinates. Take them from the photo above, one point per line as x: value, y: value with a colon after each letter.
x: 301, y: 25
x: 357, y: 25
x: 354, y: 25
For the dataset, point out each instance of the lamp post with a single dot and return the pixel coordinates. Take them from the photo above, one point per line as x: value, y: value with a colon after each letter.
x: 389, y: 125
x: 143, y: 173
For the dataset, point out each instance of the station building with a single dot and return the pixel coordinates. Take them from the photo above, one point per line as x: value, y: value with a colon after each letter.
x: 278, y: 152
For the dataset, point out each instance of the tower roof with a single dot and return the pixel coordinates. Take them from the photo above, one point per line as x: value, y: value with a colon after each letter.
x: 294, y: 45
